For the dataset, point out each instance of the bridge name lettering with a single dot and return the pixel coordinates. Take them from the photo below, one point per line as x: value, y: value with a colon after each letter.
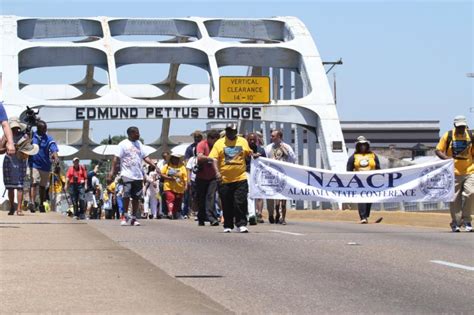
x: 223, y: 112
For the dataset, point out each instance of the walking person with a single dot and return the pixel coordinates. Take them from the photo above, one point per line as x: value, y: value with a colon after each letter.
x: 91, y: 193
x: 150, y: 203
x: 14, y: 166
x: 229, y: 154
x: 281, y: 151
x: 206, y: 182
x: 40, y: 164
x: 458, y: 144
x: 165, y: 157
x: 175, y: 183
x: 190, y: 156
x: 130, y: 157
x: 254, y: 143
x: 76, y: 186
x: 363, y: 159
x: 58, y: 183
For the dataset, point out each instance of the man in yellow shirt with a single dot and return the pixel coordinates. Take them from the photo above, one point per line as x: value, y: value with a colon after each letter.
x: 457, y: 144
x: 229, y: 154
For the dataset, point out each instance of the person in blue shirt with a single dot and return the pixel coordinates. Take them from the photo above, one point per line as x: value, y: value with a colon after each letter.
x: 40, y: 164
x: 10, y: 146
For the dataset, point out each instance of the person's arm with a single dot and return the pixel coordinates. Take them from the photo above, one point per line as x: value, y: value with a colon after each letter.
x: 442, y: 155
x: 216, y: 169
x: 377, y: 162
x: 149, y: 161
x: 291, y: 154
x: 441, y: 148
x: 350, y: 164
x: 164, y: 173
x: 10, y: 146
x: 214, y: 155
x: 3, y: 145
x: 68, y: 176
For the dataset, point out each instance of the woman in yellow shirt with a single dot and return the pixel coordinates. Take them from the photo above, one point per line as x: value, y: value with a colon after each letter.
x: 175, y: 181
x: 363, y: 159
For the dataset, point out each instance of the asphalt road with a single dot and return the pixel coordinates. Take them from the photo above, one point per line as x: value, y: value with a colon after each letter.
x: 311, y: 267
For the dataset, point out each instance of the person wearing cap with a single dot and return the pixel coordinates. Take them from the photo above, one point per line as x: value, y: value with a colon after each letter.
x: 281, y: 151
x: 229, y: 154
x: 14, y: 166
x: 76, y: 184
x: 363, y: 159
x: 130, y: 157
x: 457, y: 144
x: 40, y: 164
x: 175, y: 183
x: 7, y: 132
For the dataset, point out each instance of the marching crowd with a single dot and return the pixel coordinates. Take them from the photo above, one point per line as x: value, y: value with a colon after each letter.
x: 209, y: 181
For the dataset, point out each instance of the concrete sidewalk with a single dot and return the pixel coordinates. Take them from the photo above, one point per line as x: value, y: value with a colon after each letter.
x: 49, y: 263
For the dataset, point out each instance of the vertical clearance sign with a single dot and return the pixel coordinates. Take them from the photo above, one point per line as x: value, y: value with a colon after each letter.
x: 271, y: 179
x: 244, y: 90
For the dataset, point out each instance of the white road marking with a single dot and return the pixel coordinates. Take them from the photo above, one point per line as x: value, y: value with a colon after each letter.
x: 285, y: 232
x: 447, y: 263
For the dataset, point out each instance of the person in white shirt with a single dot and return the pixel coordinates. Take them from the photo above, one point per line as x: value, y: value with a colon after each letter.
x: 130, y: 157
x: 281, y: 151
x: 151, y: 191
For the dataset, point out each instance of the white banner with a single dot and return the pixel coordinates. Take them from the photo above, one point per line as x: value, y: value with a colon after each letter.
x: 271, y: 179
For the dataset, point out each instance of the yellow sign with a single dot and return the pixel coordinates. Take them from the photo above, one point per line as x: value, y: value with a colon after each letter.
x: 254, y: 90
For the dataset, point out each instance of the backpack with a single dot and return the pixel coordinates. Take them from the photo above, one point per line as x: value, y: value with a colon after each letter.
x: 450, y: 138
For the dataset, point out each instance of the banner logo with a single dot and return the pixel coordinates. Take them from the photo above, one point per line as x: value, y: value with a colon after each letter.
x: 436, y: 182
x: 271, y: 179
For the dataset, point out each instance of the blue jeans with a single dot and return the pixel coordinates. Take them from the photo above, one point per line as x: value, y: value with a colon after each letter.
x: 78, y: 197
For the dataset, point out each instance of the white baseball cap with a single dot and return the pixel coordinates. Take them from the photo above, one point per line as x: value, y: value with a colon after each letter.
x: 460, y: 121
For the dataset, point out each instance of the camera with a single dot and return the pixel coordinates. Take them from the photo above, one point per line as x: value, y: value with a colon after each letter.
x: 31, y: 119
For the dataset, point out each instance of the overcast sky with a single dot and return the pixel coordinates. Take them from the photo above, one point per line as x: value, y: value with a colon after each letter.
x: 403, y: 60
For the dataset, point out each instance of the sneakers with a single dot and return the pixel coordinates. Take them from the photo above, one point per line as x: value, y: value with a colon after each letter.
x: 215, y: 223
x: 31, y: 207
x: 134, y: 222
x: 271, y: 219
x: 468, y: 227
x: 243, y: 229
x: 227, y: 230
x: 123, y: 221
x: 455, y: 228
x: 201, y: 224
x: 364, y: 221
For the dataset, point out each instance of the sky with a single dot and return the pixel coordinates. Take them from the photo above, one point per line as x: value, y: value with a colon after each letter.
x: 403, y: 60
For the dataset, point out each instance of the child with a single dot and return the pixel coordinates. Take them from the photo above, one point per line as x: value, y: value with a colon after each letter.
x: 175, y: 181
x: 151, y: 191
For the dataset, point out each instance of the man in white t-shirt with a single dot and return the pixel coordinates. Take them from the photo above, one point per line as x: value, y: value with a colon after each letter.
x: 281, y: 151
x: 130, y: 156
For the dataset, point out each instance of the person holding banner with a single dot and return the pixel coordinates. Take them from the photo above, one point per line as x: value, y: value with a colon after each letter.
x: 280, y: 151
x: 363, y: 159
x: 457, y: 144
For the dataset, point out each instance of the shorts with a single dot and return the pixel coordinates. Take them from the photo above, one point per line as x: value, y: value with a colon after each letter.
x: 90, y: 200
x: 133, y: 189
x: 38, y: 176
